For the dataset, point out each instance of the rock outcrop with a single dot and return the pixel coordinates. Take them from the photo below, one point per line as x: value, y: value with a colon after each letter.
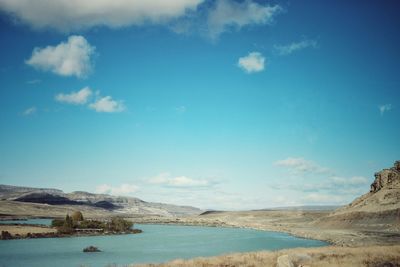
x: 284, y: 261
x: 387, y: 178
x: 379, y: 207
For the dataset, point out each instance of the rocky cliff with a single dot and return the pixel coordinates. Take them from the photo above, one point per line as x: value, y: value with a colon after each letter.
x: 387, y: 179
x: 379, y: 207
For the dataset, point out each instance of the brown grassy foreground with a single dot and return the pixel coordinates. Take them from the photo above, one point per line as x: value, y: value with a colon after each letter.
x: 372, y: 256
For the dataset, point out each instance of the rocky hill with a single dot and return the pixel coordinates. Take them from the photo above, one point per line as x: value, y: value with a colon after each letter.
x: 380, y: 207
x: 26, y: 197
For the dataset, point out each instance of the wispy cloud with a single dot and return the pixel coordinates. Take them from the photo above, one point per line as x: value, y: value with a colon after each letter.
x: 288, y: 49
x: 322, y: 198
x: 76, y: 98
x: 301, y: 165
x: 29, y: 111
x: 107, y: 104
x: 336, y: 190
x: 227, y: 15
x: 385, y: 108
x: 71, y: 58
x: 253, y: 62
x: 181, y: 109
x: 166, y: 179
x: 320, y: 185
x: 67, y: 15
x: 123, y: 189
x: 340, y: 185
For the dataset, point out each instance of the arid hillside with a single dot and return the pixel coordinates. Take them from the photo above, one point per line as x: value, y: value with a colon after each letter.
x: 28, y: 201
x: 377, y: 209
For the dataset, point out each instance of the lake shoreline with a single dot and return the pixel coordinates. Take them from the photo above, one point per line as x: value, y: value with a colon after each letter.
x: 157, y: 244
x: 24, y: 231
x: 234, y: 226
x: 298, y: 227
x: 163, y: 221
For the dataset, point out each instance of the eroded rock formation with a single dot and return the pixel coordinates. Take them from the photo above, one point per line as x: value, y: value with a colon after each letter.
x: 379, y: 208
x: 388, y: 178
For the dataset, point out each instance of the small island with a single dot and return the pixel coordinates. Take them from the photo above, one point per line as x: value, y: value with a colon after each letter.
x: 74, y: 225
x: 91, y: 249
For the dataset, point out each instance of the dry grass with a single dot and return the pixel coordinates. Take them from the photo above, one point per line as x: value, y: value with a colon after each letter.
x: 374, y: 256
x: 23, y: 229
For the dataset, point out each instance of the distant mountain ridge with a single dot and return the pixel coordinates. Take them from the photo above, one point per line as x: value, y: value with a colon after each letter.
x: 11, y: 191
x: 117, y: 204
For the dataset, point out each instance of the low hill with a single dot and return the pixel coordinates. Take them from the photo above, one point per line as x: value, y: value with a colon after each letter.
x: 380, y: 207
x: 30, y: 200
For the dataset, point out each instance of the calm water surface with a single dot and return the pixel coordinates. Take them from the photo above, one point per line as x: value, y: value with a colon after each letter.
x: 157, y: 243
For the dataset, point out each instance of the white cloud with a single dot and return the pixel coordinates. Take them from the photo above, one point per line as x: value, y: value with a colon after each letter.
x: 301, y: 165
x: 71, y: 58
x: 70, y: 15
x: 77, y: 98
x: 253, y: 62
x: 29, y: 111
x: 107, y: 104
x: 123, y: 189
x: 179, y: 181
x: 101, y: 104
x: 295, y: 46
x: 231, y: 14
x: 385, y: 108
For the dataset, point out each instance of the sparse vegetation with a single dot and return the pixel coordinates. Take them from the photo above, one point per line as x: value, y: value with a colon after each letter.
x: 77, y: 216
x: 91, y: 249
x: 374, y: 256
x: 57, y: 223
x: 5, y: 235
x: 76, y: 221
x: 118, y: 224
x: 67, y: 227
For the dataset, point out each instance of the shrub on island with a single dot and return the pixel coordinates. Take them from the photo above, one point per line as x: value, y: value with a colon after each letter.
x: 91, y: 249
x: 118, y: 224
x: 76, y: 222
x: 77, y: 216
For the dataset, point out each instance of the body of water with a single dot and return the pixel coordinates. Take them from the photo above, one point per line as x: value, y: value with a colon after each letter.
x: 157, y: 243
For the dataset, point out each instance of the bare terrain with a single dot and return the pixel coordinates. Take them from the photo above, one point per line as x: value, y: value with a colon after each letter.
x: 23, y: 230
x: 365, y: 232
x: 333, y: 256
x: 48, y: 202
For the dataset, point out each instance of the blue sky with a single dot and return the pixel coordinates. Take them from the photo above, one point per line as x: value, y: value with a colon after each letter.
x: 217, y: 104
